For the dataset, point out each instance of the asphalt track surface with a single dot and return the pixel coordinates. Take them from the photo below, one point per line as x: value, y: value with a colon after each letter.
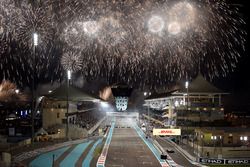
x: 176, y: 156
x: 127, y: 149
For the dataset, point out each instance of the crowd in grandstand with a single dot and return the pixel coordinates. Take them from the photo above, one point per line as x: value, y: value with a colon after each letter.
x: 88, y: 119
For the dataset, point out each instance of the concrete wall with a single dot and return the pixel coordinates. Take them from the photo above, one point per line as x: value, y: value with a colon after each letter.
x: 221, y: 152
x: 53, y: 116
x: 54, y: 112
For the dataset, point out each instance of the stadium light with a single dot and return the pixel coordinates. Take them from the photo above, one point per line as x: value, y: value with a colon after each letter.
x: 35, y: 39
x: 67, y: 117
x: 186, y: 84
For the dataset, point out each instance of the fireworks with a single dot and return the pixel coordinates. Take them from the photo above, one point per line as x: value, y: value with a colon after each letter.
x: 34, y: 20
x: 174, y: 28
x: 182, y: 13
x: 90, y: 28
x: 72, y: 35
x: 112, y: 32
x: 71, y: 60
x: 155, y: 24
x: 135, y: 42
x: 7, y: 13
x: 19, y: 21
x: 10, y: 94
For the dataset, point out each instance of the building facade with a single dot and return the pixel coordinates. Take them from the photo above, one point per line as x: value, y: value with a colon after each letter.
x: 189, y: 106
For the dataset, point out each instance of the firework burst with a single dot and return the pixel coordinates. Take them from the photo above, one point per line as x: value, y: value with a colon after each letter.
x: 156, y: 43
x: 136, y: 42
x: 32, y: 20
x: 20, y: 22
x: 7, y: 15
x: 72, y: 60
x: 8, y: 93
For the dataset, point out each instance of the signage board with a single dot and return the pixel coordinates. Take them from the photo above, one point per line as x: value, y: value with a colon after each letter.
x: 211, y: 161
x: 167, y: 132
x: 237, y: 161
x: 224, y: 161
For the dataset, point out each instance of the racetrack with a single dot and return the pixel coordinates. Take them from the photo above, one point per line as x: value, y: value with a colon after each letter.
x: 128, y: 149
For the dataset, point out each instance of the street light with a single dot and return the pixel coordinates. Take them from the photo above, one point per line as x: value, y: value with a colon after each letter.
x: 35, y: 39
x: 69, y: 75
x: 201, y: 137
x: 214, y: 138
x: 35, y: 44
x: 67, y: 117
x: 145, y: 94
x: 243, y: 139
x: 186, y: 86
x: 221, y: 143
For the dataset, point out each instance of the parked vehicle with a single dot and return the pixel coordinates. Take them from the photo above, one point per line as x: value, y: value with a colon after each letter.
x: 170, y: 151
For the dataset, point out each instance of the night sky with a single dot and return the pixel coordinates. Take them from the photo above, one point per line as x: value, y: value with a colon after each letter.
x: 237, y: 82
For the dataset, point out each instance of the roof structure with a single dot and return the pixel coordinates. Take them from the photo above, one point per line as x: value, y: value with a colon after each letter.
x: 200, y: 85
x: 75, y: 94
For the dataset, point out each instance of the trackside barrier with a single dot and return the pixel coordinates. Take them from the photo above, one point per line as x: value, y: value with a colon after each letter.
x: 184, y: 152
x: 159, y: 147
x: 225, y: 161
x: 164, y: 155
x: 190, y: 158
x: 103, y: 156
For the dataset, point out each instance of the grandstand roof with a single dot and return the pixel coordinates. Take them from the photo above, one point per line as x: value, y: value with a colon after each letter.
x: 198, y: 86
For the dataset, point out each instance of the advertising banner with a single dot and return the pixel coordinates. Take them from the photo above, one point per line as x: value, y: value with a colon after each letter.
x: 167, y: 132
x: 237, y: 161
x: 211, y: 161
x: 224, y: 161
